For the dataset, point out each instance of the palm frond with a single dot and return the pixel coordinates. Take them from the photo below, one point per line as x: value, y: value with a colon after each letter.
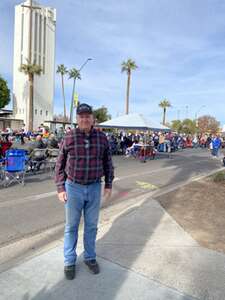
x: 74, y: 73
x: 165, y: 103
x: 33, y: 69
x: 61, y: 69
x: 128, y: 66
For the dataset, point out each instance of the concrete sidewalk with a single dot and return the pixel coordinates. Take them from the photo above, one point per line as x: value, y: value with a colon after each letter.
x: 143, y: 254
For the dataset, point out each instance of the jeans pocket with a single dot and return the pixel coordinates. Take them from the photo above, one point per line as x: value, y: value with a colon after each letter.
x: 69, y: 182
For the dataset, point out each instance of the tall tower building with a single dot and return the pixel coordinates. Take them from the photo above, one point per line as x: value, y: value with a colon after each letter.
x: 41, y: 51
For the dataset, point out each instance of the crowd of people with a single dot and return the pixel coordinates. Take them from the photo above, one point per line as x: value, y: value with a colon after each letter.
x: 21, y: 139
x: 121, y: 143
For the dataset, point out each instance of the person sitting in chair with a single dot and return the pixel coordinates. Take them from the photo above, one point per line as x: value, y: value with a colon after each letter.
x: 37, y: 158
x: 52, y: 142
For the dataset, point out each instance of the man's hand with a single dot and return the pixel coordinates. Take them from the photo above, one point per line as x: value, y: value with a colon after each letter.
x: 107, y: 193
x: 62, y: 196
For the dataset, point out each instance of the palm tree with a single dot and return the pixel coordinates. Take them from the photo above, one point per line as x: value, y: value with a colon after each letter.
x: 75, y: 74
x: 61, y: 69
x: 128, y: 66
x: 31, y: 70
x: 164, y: 104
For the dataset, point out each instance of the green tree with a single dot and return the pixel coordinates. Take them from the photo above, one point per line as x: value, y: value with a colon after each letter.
x: 189, y: 126
x: 101, y: 114
x: 4, y: 93
x: 208, y: 124
x: 164, y: 104
x: 176, y: 125
x: 74, y: 74
x: 128, y: 66
x: 61, y: 69
x: 31, y: 70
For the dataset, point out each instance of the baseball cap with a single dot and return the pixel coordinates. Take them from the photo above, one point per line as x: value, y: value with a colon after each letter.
x: 84, y: 108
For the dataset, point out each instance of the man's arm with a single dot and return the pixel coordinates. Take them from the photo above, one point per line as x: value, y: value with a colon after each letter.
x: 108, y: 167
x: 60, y: 174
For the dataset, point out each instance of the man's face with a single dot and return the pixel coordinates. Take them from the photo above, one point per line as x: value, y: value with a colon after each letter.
x: 85, y: 121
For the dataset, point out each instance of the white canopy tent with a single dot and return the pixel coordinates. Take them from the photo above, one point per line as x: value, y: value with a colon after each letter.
x: 133, y: 121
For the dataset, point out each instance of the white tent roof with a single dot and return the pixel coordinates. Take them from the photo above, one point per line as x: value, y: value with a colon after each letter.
x: 133, y: 121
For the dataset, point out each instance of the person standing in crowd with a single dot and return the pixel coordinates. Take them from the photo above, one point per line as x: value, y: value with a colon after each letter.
x: 84, y: 158
x: 216, y: 144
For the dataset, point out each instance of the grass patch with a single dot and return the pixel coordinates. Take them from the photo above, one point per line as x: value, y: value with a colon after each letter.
x: 219, y: 176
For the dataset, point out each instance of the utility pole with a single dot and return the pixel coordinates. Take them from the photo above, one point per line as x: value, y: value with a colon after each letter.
x: 31, y: 8
x: 30, y: 75
x: 186, y: 114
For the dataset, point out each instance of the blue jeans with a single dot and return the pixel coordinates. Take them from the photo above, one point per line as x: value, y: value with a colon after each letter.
x: 80, y: 198
x: 215, y: 151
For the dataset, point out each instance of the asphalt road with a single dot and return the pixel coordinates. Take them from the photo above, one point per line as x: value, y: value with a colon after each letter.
x: 34, y: 208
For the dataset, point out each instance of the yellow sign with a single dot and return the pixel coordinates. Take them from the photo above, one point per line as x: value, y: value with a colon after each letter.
x: 146, y: 185
x: 75, y: 99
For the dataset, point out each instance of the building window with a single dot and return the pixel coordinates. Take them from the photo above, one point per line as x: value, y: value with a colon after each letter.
x: 35, y: 37
x: 44, y: 44
x: 41, y: 112
x: 35, y: 111
x: 22, y: 29
x: 43, y: 65
x: 40, y: 38
x: 46, y: 113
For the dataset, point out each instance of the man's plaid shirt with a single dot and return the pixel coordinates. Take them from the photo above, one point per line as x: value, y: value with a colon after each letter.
x: 84, y: 159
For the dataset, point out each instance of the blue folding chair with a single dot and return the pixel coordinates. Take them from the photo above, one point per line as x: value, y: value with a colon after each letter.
x: 15, y: 164
x: 2, y: 162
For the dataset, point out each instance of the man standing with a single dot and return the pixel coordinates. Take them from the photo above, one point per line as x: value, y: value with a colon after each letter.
x: 216, y: 144
x: 84, y: 158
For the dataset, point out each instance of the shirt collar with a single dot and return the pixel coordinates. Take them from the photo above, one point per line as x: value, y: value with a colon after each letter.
x: 83, y: 133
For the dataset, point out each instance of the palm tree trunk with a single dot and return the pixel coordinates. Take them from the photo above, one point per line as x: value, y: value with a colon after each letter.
x: 71, y: 105
x: 164, y: 116
x: 64, y: 99
x: 31, y: 102
x: 128, y: 93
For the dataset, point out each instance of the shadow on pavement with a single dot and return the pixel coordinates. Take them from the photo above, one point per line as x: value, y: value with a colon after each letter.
x: 134, y: 242
x: 123, y: 253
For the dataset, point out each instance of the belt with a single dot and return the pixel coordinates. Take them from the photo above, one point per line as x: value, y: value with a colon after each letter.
x: 86, y: 183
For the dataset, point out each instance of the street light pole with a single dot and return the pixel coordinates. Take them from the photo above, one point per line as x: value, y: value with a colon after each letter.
x: 87, y: 60
x: 74, y: 83
x: 186, y: 111
x: 196, y: 114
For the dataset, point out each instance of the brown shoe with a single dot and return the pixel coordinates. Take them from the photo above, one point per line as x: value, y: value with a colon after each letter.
x: 70, y: 272
x: 93, y: 266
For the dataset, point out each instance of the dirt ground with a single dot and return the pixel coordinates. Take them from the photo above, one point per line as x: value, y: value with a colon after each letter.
x: 199, y: 208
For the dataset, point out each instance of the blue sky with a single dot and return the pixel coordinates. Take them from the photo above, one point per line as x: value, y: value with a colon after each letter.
x: 179, y: 47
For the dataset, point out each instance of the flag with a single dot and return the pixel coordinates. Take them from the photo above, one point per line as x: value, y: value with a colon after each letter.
x: 75, y: 99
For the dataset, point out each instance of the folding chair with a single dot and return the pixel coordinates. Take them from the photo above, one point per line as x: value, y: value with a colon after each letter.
x: 37, y: 159
x: 2, y: 163
x: 53, y: 153
x: 14, y: 168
